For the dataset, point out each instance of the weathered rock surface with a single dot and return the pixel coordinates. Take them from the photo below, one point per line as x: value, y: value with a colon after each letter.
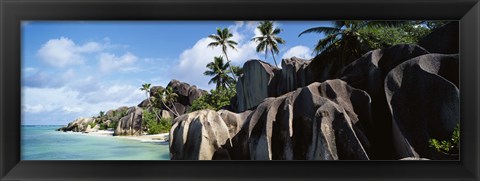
x: 253, y: 85
x: 424, y: 98
x: 115, y: 114
x: 78, y: 125
x: 186, y: 95
x: 445, y: 39
x: 90, y: 129
x: 368, y: 73
x: 325, y: 66
x: 292, y: 76
x: 131, y: 124
x: 316, y: 122
x: 198, y: 135
x: 154, y: 89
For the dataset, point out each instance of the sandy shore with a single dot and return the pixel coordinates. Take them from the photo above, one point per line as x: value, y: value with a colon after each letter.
x: 155, y: 138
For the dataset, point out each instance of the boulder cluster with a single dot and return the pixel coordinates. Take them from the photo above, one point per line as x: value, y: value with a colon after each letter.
x: 385, y: 105
x: 127, y: 121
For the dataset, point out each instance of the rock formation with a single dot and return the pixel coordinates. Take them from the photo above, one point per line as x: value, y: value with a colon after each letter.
x: 423, y: 96
x: 292, y: 76
x: 368, y: 73
x: 186, y: 95
x: 197, y: 135
x: 131, y: 124
x: 316, y: 122
x: 90, y: 129
x: 445, y: 39
x: 255, y: 84
x: 78, y: 125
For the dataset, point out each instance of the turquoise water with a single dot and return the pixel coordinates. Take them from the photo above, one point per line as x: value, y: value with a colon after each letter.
x: 44, y: 143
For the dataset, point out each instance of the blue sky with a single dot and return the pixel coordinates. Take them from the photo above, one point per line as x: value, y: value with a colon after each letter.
x: 77, y: 68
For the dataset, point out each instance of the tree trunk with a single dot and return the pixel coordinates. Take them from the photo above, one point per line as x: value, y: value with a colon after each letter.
x: 174, y: 112
x: 273, y: 56
x: 230, y: 66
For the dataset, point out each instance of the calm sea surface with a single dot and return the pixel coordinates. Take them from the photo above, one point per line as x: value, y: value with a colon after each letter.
x: 44, y: 143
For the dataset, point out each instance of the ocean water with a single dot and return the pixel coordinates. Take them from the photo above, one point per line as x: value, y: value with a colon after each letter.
x: 44, y: 143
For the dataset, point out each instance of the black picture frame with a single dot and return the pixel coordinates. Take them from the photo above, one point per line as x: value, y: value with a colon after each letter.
x: 12, y: 12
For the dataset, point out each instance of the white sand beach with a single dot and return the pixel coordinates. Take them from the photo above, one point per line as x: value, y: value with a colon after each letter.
x: 154, y: 138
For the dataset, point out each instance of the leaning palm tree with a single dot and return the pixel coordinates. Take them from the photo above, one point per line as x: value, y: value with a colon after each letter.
x: 146, y: 87
x: 218, y: 69
x: 223, y: 39
x: 166, y: 97
x: 269, y: 39
x: 345, y: 39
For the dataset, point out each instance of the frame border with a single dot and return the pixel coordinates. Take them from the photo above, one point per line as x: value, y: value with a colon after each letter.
x: 12, y: 12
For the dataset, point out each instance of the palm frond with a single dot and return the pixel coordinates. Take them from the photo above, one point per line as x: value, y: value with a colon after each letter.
x: 232, y: 42
x: 279, y: 40
x: 326, y: 30
x: 276, y: 31
x: 213, y: 44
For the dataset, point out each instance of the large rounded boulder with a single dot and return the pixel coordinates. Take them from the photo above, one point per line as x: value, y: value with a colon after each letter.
x: 424, y: 97
x: 368, y: 73
x: 256, y: 84
x: 199, y: 136
x: 131, y: 124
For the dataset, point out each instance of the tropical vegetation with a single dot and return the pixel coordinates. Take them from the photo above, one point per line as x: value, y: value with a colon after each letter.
x: 223, y: 39
x: 154, y: 126
x: 216, y: 100
x: 219, y: 70
x: 269, y: 39
x: 451, y: 146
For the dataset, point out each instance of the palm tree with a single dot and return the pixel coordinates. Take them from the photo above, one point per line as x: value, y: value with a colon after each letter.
x: 238, y: 71
x: 269, y: 39
x: 223, y: 39
x: 218, y: 69
x: 146, y: 87
x: 164, y: 97
x: 345, y: 39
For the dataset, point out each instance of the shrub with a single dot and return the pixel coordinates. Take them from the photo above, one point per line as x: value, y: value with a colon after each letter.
x: 113, y: 124
x: 216, y: 100
x: 153, y: 126
x: 92, y: 124
x: 103, y: 127
x: 451, y: 146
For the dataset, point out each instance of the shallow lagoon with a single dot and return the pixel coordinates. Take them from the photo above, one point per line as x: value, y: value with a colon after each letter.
x: 44, y: 143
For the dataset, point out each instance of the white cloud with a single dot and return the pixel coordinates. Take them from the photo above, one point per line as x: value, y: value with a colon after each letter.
x: 62, y: 105
x: 69, y: 109
x: 192, y: 62
x: 37, y: 108
x: 110, y: 62
x: 299, y: 52
x: 63, y: 52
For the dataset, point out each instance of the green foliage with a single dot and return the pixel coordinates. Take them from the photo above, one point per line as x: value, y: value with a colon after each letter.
x: 237, y: 70
x: 153, y: 126
x: 385, y: 36
x: 92, y: 124
x: 215, y: 100
x: 269, y: 39
x: 223, y: 39
x: 113, y: 124
x: 103, y: 127
x: 219, y: 71
x: 451, y: 146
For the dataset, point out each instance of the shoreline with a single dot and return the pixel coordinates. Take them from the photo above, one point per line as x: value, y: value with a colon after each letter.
x: 146, y: 138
